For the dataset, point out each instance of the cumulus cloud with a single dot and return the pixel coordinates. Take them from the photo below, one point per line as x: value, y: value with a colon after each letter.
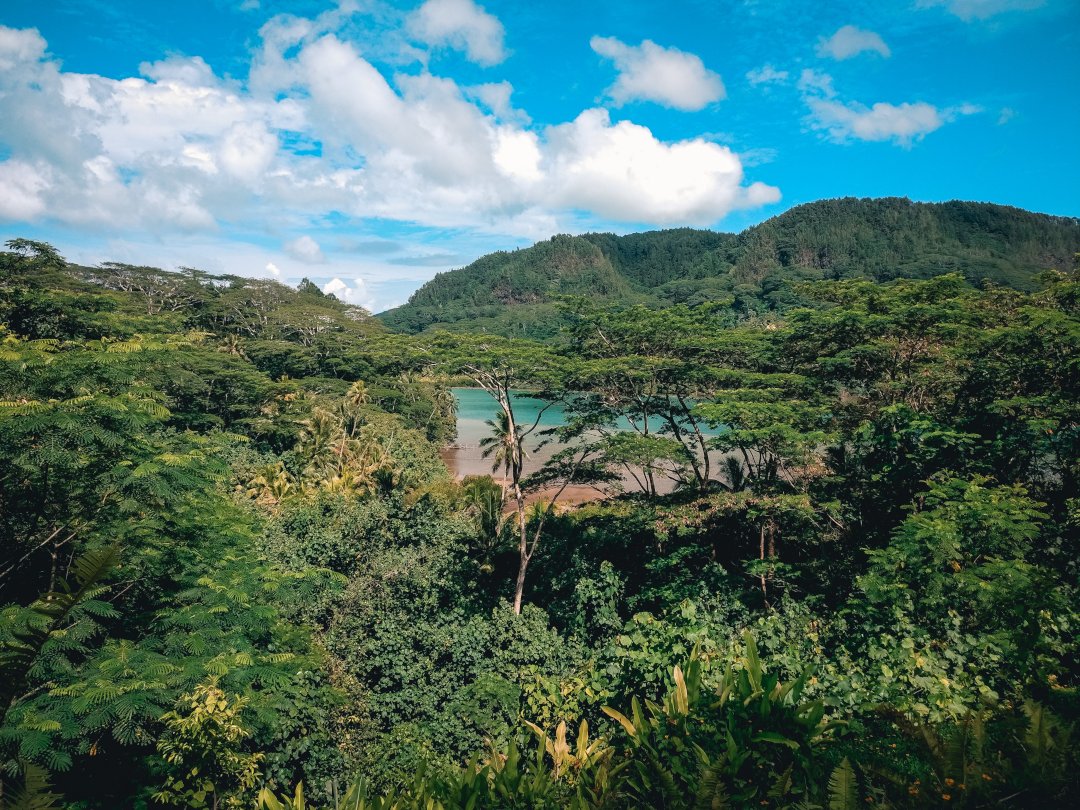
x: 305, y: 249
x: 968, y: 10
x: 842, y: 121
x: 273, y: 270
x: 495, y: 96
x: 319, y: 128
x: 21, y: 187
x: 247, y: 149
x: 357, y: 294
x: 19, y: 45
x: 607, y: 168
x: 460, y: 24
x: 667, y: 76
x: 766, y: 74
x: 849, y: 41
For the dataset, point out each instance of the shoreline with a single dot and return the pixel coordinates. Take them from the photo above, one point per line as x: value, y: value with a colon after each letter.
x: 573, y: 495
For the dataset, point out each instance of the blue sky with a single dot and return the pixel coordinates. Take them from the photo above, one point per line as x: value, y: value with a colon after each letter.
x: 368, y: 145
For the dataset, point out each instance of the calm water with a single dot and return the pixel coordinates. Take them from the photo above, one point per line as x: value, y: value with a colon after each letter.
x: 475, y: 407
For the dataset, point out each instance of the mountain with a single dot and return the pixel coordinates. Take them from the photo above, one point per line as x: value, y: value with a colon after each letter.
x: 514, y: 292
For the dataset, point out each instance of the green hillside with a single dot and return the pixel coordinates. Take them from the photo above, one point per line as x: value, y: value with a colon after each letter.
x: 882, y: 239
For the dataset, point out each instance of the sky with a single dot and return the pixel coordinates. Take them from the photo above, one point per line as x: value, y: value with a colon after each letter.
x: 367, y: 145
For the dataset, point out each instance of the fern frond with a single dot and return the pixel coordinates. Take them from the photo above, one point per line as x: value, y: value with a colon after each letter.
x: 843, y: 787
x: 34, y: 793
x: 711, y: 793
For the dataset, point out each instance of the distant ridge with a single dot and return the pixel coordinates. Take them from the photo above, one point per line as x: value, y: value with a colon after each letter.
x: 883, y: 239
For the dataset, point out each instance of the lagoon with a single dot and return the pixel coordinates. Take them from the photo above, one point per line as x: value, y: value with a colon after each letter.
x: 475, y: 407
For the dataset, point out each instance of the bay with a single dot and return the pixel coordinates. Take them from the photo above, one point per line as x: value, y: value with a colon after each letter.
x: 475, y: 407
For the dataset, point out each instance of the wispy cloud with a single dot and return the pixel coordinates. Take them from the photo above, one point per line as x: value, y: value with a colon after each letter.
x: 766, y: 74
x: 849, y: 41
x: 843, y: 121
x: 968, y: 10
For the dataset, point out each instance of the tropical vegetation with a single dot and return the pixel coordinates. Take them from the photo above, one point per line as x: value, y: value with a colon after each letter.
x: 831, y: 561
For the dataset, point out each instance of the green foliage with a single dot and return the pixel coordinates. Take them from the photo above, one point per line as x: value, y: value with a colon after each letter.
x: 883, y: 239
x: 970, y: 555
x: 755, y: 737
x: 843, y: 787
x: 30, y: 792
x: 26, y: 632
x: 234, y: 562
x: 201, y: 748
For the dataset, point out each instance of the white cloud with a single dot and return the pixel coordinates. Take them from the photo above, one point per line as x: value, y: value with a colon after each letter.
x: 305, y: 249
x: 273, y: 269
x: 517, y: 154
x: 21, y: 187
x: 849, y: 41
x: 358, y: 294
x: 19, y: 45
x: 179, y: 149
x: 816, y: 82
x: 968, y: 10
x: 667, y: 76
x: 766, y: 74
x: 623, y: 172
x: 1006, y: 115
x: 496, y: 97
x: 842, y: 121
x: 460, y: 24
x: 903, y: 123
x: 247, y: 150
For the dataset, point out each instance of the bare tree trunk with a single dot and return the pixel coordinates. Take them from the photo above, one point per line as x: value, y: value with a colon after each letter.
x: 517, y: 453
x: 523, y: 552
x: 761, y: 556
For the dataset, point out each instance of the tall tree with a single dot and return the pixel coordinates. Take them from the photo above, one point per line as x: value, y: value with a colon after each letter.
x: 504, y: 367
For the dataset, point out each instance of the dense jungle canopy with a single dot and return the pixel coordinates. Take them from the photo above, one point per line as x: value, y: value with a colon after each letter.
x: 235, y: 572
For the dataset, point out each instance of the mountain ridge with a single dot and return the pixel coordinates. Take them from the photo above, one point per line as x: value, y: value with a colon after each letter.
x: 513, y: 292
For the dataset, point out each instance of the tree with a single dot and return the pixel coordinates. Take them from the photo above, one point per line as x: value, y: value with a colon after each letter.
x: 503, y: 367
x: 650, y: 368
x: 498, y: 446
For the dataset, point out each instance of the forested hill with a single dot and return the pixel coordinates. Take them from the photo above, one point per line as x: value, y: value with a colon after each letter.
x: 512, y: 292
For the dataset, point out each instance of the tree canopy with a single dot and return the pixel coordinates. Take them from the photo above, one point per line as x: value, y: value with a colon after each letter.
x: 827, y: 557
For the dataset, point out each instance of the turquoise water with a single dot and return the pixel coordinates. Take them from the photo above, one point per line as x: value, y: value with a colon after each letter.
x: 475, y: 406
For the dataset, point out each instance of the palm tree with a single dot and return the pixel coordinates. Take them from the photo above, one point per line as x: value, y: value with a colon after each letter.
x: 501, y: 445
x: 234, y: 346
x: 357, y: 394
x: 270, y: 485
x: 319, y: 444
